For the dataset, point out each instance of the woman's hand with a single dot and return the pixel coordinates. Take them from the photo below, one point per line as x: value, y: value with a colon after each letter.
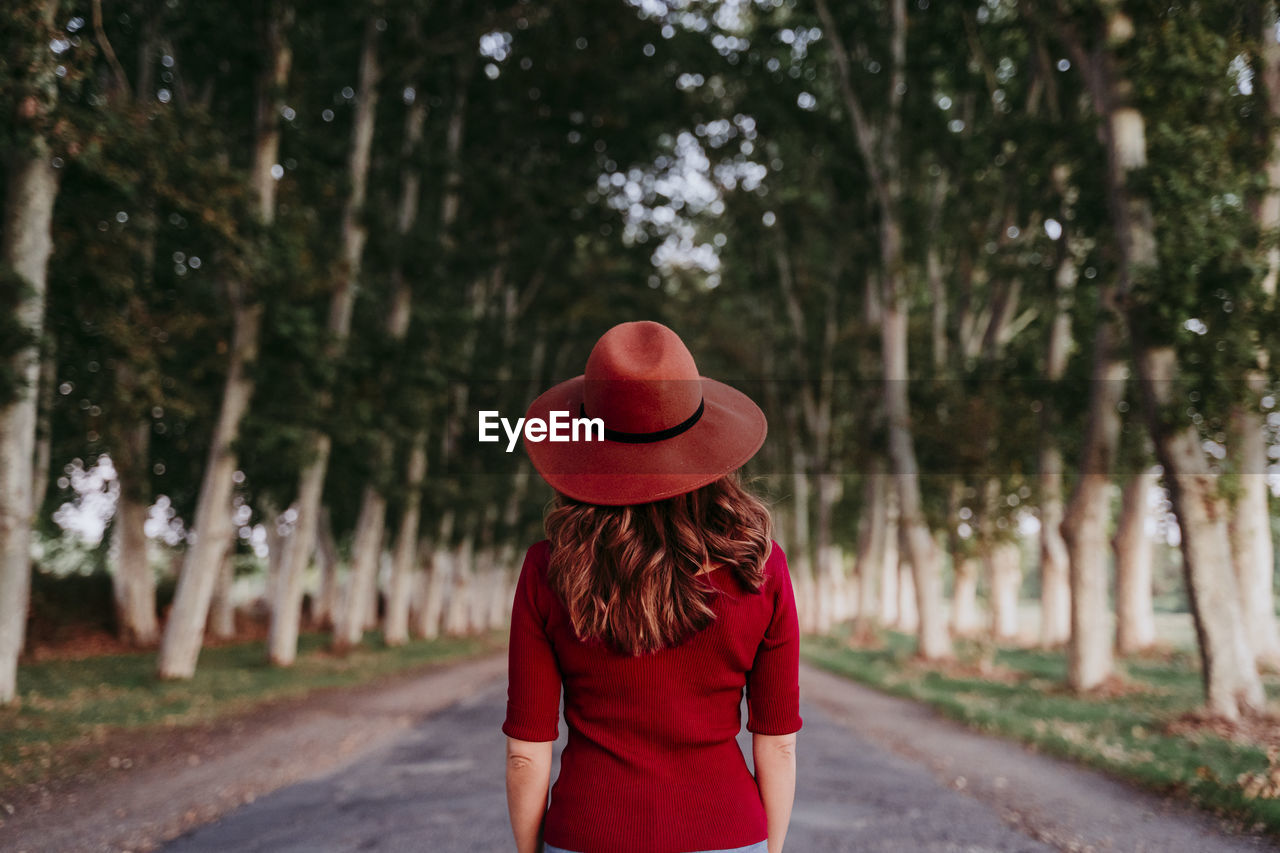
x: 775, y: 760
x: 528, y: 778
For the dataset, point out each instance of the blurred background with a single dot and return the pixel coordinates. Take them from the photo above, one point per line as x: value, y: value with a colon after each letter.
x: 1001, y: 274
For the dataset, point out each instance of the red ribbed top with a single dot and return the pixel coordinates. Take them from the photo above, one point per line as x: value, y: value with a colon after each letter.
x: 652, y: 764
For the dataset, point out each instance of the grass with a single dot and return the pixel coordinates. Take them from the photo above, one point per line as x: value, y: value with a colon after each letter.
x: 1127, y: 730
x: 72, y: 703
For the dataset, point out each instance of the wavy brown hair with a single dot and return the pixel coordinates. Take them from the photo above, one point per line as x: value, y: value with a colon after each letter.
x: 628, y: 574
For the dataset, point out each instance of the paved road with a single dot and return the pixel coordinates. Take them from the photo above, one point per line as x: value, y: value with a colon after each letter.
x: 439, y: 788
x: 875, y: 774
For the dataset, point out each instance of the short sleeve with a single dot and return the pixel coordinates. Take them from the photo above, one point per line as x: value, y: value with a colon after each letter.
x: 533, y: 676
x: 773, y: 684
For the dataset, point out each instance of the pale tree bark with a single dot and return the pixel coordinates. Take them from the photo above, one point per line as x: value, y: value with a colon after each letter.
x: 828, y: 584
x: 889, y: 560
x: 1250, y: 522
x: 1002, y: 561
x: 844, y: 594
x: 31, y: 184
x: 213, y: 528
x: 880, y: 149
x: 404, y: 554
x: 133, y: 583
x: 184, y: 629
x: 816, y: 488
x: 908, y: 600
x: 282, y: 640
x: 1004, y: 569
x: 1232, y: 685
x: 1055, y: 567
x: 964, y: 597
x: 1084, y: 520
x: 277, y: 548
x: 438, y: 574
x: 326, y: 556
x: 457, y: 617
x: 1249, y: 527
x: 1135, y: 616
x: 870, y: 556
x: 222, y: 609
x: 1084, y: 525
x: 408, y: 549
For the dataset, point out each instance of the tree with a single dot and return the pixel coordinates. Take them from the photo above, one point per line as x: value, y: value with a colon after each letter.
x: 1145, y: 278
x: 213, y: 529
x: 31, y: 185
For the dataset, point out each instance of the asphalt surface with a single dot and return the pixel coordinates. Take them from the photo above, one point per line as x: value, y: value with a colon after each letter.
x: 875, y: 773
x: 439, y: 787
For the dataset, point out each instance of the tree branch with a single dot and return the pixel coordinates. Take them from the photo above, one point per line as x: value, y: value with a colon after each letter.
x: 104, y: 44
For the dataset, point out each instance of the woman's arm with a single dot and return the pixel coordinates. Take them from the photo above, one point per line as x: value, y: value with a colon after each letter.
x: 528, y: 778
x: 775, y: 760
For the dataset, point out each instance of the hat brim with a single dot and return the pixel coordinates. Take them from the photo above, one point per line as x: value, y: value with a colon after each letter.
x: 729, y: 432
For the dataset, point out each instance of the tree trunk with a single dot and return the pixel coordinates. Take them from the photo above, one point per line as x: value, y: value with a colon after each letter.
x: 326, y: 557
x: 1084, y: 525
x: 1230, y: 675
x: 457, y: 621
x: 134, y: 583
x: 889, y: 560
x: 1055, y: 571
x: 184, y: 630
x: 932, y: 639
x: 213, y: 528
x: 1135, y: 618
x: 827, y: 581
x: 1005, y: 572
x: 373, y: 504
x: 881, y: 155
x: 964, y: 597
x: 282, y: 641
x: 25, y: 244
x: 277, y: 550
x: 349, y: 621
x: 871, y: 547
x: 908, y: 600
x: 222, y: 609
x: 396, y: 628
x: 438, y: 577
x: 1249, y: 525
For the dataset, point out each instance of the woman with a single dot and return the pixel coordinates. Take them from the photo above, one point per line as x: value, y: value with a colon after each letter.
x: 656, y: 599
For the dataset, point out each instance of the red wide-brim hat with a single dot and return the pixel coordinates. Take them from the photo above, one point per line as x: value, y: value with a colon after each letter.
x: 667, y: 429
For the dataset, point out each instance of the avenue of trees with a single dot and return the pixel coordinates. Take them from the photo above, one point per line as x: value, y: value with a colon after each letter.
x: 984, y: 264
